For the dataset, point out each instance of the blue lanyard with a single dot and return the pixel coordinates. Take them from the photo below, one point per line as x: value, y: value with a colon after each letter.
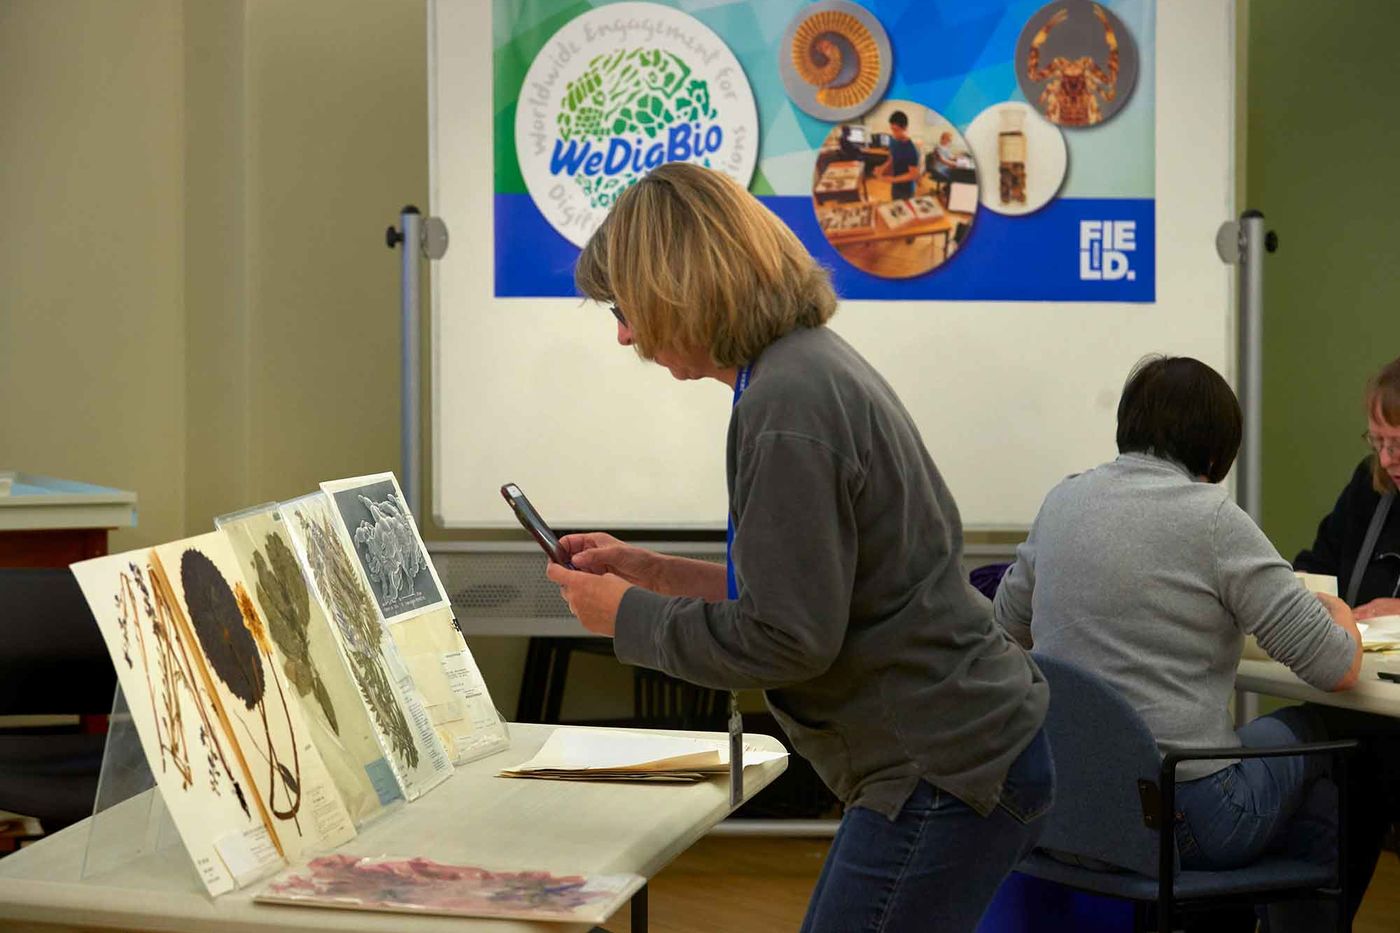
x: 741, y: 383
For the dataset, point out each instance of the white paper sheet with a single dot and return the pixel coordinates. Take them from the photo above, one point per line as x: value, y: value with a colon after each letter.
x: 1380, y: 633
x: 579, y: 750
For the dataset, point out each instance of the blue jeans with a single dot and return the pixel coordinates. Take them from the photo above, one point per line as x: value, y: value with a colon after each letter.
x: 937, y: 865
x: 1284, y: 806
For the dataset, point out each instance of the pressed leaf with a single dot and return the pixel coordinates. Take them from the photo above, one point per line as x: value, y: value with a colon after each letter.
x: 219, y: 626
x: 292, y: 784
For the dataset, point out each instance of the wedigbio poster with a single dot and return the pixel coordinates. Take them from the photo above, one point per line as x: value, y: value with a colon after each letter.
x: 921, y: 149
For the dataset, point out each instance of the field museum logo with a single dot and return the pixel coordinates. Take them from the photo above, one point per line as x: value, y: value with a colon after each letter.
x: 617, y: 92
x: 1104, y: 246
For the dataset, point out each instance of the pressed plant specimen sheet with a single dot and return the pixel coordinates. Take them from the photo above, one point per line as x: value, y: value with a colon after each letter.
x: 375, y: 523
x: 420, y: 885
x: 417, y: 756
x: 197, y: 772
x: 305, y: 650
x: 255, y: 703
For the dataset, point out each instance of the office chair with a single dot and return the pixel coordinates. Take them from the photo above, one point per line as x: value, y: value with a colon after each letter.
x: 1114, y: 800
x: 54, y: 662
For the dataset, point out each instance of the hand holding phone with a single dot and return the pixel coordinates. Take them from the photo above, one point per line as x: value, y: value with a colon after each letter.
x: 533, y: 523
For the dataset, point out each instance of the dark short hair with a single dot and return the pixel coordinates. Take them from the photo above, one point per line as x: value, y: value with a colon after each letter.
x: 1180, y: 409
x: 900, y: 119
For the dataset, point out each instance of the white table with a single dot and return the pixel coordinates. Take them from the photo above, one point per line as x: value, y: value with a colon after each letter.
x: 473, y: 818
x: 1370, y: 695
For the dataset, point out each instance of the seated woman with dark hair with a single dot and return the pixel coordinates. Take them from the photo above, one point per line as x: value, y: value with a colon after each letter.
x: 1145, y: 571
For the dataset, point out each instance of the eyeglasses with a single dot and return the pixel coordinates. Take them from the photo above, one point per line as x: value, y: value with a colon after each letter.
x: 1382, y: 445
x: 618, y: 314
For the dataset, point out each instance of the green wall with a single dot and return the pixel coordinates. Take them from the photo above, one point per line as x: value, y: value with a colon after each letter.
x: 1324, y: 148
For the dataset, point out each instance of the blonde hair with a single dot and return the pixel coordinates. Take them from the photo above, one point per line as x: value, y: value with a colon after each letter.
x: 693, y: 261
x: 1383, y: 404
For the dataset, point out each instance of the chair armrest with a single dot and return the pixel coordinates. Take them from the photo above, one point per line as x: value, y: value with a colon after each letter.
x: 1172, y: 759
x: 1166, y: 824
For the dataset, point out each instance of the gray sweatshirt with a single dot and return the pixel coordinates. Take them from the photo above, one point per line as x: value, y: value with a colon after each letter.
x: 878, y: 659
x: 1152, y: 580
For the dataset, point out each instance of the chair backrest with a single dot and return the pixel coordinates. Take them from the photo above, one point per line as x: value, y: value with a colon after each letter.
x: 52, y: 656
x: 1102, y: 750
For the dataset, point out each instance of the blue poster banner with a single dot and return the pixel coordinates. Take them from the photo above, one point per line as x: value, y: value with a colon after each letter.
x: 921, y: 149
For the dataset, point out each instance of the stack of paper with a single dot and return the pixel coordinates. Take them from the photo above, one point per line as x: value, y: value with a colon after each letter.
x: 1318, y: 582
x: 617, y: 755
x: 1381, y: 633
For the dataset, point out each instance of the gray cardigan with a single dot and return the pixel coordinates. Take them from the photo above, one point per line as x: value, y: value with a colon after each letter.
x: 1137, y: 572
x: 879, y: 660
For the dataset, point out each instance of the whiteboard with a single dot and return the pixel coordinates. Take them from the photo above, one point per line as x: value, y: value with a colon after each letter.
x: 1010, y: 397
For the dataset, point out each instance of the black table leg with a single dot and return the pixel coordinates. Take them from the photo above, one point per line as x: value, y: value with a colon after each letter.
x: 639, y: 910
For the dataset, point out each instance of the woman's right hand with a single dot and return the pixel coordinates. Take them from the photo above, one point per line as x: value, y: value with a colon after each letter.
x: 596, y: 552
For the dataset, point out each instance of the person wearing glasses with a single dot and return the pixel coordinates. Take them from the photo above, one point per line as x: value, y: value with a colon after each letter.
x: 1359, y: 542
x: 844, y: 599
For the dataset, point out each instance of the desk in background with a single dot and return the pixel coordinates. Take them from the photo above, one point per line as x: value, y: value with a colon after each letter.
x: 47, y: 522
x: 474, y: 818
x: 1370, y: 695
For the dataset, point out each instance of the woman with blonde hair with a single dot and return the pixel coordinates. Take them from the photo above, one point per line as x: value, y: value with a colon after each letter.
x: 844, y: 599
x: 1359, y: 542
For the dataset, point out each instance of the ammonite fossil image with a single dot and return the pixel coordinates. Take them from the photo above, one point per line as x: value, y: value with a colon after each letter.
x: 835, y: 60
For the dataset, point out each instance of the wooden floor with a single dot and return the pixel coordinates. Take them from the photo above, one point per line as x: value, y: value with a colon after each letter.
x: 735, y: 885
x: 1380, y: 912
x: 748, y: 885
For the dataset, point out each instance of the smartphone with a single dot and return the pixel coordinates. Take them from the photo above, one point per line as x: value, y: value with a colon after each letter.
x: 533, y: 523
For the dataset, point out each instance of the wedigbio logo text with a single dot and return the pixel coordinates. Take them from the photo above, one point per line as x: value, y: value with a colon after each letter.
x: 618, y: 91
x: 1104, y: 246
x: 683, y: 143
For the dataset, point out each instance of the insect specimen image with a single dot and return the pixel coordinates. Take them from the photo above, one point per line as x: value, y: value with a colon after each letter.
x: 380, y: 530
x: 1029, y: 152
x: 391, y: 552
x: 1091, y: 70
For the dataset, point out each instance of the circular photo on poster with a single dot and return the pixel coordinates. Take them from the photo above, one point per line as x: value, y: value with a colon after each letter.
x: 1028, y: 153
x: 1076, y: 63
x: 835, y: 60
x: 895, y: 192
